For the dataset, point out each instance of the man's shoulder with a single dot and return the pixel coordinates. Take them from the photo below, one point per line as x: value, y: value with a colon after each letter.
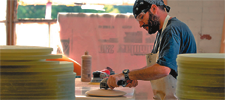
x: 176, y: 27
x: 176, y: 24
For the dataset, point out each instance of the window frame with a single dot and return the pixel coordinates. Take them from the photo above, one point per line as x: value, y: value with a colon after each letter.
x: 11, y: 20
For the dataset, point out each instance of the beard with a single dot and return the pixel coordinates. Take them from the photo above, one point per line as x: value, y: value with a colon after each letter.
x: 153, y: 23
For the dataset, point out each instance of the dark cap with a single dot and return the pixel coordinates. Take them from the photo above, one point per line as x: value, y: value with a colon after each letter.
x: 145, y: 5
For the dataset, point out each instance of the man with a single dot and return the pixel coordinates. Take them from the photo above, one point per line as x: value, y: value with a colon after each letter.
x: 173, y: 38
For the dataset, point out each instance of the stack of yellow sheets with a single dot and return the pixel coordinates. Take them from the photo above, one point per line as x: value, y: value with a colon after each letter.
x: 201, y: 76
x: 26, y: 75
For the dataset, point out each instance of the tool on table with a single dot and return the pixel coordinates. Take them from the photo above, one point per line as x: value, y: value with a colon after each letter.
x: 99, y: 75
x: 103, y: 83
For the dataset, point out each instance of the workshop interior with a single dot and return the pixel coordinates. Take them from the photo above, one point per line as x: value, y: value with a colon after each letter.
x: 67, y: 49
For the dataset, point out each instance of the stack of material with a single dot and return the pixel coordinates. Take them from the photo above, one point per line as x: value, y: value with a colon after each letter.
x: 26, y: 75
x: 201, y: 76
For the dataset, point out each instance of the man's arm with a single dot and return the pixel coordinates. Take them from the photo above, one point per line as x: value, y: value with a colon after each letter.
x: 153, y: 72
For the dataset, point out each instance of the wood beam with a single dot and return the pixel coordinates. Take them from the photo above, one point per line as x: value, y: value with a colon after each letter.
x: 165, y: 2
x: 10, y: 21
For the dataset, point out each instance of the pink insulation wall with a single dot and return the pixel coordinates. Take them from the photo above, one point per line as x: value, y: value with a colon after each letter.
x: 114, y: 41
x: 118, y: 42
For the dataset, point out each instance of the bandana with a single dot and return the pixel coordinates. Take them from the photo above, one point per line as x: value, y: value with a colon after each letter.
x: 145, y: 5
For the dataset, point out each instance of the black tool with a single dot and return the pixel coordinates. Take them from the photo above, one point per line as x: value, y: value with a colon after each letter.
x: 103, y: 83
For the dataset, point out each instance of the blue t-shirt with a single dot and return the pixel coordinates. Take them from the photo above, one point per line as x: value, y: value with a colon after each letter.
x: 176, y: 39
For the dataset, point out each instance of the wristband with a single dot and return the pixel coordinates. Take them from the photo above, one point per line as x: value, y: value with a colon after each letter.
x: 125, y: 73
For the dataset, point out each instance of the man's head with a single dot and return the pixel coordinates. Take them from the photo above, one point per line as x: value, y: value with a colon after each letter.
x: 146, y: 18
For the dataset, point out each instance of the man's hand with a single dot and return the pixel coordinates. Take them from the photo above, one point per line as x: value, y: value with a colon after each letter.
x: 134, y: 83
x: 113, y: 79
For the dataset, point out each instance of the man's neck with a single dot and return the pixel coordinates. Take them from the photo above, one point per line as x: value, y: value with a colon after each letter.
x: 162, y: 19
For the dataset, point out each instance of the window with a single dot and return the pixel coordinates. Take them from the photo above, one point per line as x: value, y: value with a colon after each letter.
x: 36, y: 18
x: 3, y: 22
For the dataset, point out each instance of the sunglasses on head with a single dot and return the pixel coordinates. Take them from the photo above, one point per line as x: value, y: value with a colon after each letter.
x: 142, y: 14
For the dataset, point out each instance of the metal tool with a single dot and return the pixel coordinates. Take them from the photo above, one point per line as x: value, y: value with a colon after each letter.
x: 103, y: 83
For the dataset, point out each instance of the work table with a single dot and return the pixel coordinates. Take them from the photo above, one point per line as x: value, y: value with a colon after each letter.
x: 82, y: 87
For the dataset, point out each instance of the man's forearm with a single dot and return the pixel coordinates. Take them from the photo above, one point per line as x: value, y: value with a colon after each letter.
x: 149, y: 73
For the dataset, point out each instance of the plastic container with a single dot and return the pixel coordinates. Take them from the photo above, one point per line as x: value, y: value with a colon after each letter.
x: 86, y: 68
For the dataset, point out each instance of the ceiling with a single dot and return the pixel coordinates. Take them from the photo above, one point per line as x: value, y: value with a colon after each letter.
x: 77, y: 2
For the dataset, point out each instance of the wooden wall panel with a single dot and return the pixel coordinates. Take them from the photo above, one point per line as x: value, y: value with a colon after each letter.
x: 222, y: 47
